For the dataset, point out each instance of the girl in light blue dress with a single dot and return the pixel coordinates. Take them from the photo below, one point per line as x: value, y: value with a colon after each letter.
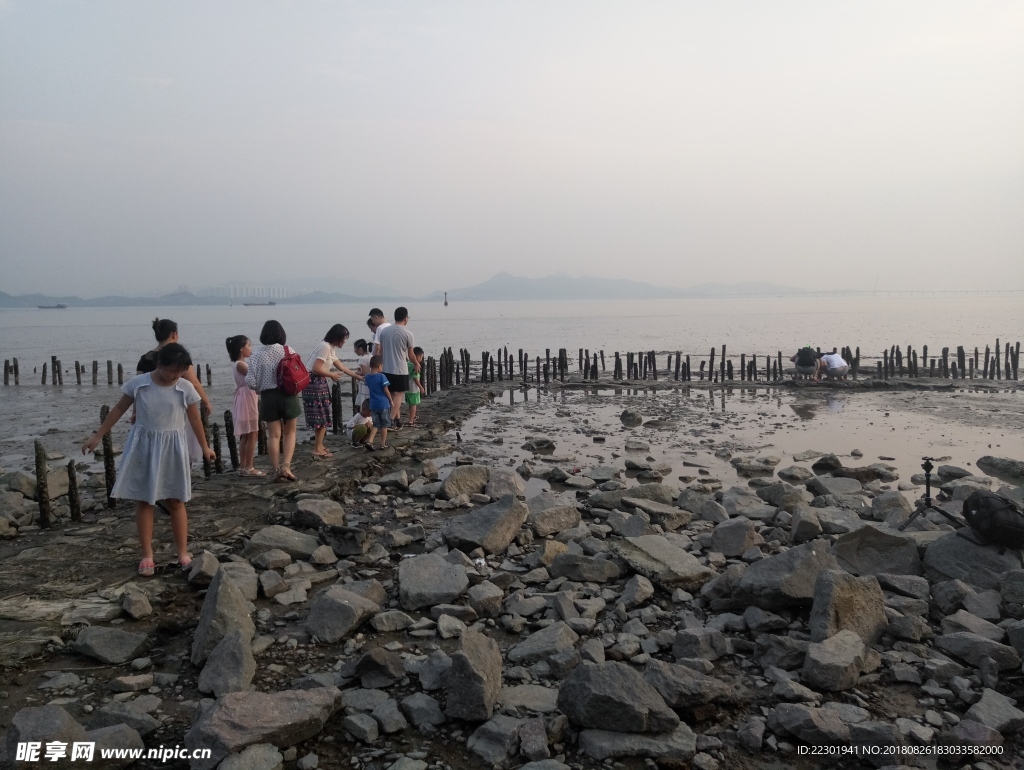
x: 155, y: 462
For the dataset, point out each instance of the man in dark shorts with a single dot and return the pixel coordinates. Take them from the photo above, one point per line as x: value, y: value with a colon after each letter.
x: 395, y: 346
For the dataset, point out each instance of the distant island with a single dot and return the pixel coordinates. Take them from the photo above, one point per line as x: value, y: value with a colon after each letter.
x: 502, y: 286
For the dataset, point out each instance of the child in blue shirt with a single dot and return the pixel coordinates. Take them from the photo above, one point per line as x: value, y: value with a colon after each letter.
x: 380, y: 403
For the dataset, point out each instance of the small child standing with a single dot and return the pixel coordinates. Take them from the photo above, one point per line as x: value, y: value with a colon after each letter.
x: 380, y: 403
x: 412, y: 396
x: 359, y: 424
x: 245, y: 409
x: 362, y: 349
x: 155, y: 463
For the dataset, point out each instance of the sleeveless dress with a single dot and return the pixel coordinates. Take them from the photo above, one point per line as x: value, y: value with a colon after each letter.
x: 155, y: 463
x: 245, y: 408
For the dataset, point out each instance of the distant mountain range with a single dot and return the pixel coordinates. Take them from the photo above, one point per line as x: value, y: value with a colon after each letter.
x: 502, y: 286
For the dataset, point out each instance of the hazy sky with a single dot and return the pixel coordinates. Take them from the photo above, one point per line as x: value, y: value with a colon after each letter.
x: 428, y: 145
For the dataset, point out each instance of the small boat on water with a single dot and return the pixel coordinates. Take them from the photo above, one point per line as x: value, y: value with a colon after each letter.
x: 258, y: 304
x: 53, y: 307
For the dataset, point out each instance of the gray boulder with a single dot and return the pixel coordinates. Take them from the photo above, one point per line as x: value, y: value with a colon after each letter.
x: 682, y: 687
x: 112, y: 738
x: 117, y: 713
x: 337, y: 612
x: 230, y: 667
x: 659, y: 493
x: 491, y: 527
x: 785, y: 496
x: 295, y: 544
x: 465, y: 480
x: 734, y: 537
x: 805, y: 525
x: 429, y: 579
x: 680, y: 744
x: 613, y: 696
x: 738, y: 501
x: 996, y: 711
x: 496, y: 741
x: 962, y: 620
x: 973, y: 648
x: 663, y: 563
x: 834, y: 664
x: 817, y: 727
x: 504, y: 481
x: 242, y: 719
x: 1003, y: 468
x: 870, y: 551
x: 544, y: 643
x: 474, y: 679
x: 261, y: 756
x: 41, y: 724
x: 954, y: 557
x: 224, y: 610
x: 316, y: 512
x: 786, y: 579
x: 891, y: 507
x: 109, y: 645
x: 844, y: 602
x: 668, y: 517
x: 583, y: 569
x: 548, y: 514
x: 830, y: 485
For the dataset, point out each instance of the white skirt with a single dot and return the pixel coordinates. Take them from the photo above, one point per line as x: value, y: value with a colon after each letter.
x: 154, y: 466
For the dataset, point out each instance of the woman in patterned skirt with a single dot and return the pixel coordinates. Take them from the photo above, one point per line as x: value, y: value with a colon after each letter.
x: 323, y: 365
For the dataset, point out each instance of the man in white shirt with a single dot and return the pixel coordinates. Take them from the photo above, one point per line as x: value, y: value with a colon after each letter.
x: 833, y: 366
x: 377, y: 324
x: 396, y: 344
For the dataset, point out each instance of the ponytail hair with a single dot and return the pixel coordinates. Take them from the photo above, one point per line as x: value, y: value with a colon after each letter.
x: 235, y: 345
x: 163, y: 328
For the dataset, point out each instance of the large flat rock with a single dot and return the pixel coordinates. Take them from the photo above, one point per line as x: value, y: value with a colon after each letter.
x: 654, y: 557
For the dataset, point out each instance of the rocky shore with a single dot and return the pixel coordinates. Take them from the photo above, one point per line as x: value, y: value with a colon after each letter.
x: 430, y: 606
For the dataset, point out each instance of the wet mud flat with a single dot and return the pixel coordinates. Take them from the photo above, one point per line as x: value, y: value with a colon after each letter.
x: 571, y: 444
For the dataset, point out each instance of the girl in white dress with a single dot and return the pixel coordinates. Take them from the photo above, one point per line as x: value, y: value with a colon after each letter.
x: 155, y: 463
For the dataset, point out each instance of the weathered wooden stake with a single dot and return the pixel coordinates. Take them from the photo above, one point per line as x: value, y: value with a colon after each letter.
x: 7, y: 371
x: 120, y: 374
x: 218, y: 462
x: 229, y: 432
x: 74, y: 501
x: 110, y: 372
x: 95, y: 371
x: 209, y: 380
x: 43, y: 382
x: 42, y: 485
x: 109, y: 469
x: 78, y: 373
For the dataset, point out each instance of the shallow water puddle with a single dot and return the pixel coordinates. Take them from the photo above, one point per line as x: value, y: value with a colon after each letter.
x: 686, y: 427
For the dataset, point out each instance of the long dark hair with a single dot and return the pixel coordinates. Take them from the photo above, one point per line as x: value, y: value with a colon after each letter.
x: 336, y: 335
x: 235, y: 345
x: 273, y: 333
x: 163, y: 328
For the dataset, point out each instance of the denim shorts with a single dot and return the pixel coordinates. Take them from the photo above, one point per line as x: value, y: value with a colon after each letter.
x: 382, y: 419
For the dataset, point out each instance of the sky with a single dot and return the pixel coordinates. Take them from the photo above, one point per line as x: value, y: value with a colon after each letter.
x: 425, y: 146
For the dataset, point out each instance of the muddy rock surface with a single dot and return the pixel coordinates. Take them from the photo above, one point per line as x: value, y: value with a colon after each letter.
x: 558, y: 579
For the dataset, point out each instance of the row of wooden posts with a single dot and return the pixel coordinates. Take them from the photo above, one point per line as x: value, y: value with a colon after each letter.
x: 1000, y: 363
x: 55, y: 370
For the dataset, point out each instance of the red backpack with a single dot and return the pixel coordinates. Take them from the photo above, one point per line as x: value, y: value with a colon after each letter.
x: 292, y: 375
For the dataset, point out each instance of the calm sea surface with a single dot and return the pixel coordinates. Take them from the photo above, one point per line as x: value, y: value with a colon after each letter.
x: 761, y: 326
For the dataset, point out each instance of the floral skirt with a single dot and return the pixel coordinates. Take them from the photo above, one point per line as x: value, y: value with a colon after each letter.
x: 316, y: 402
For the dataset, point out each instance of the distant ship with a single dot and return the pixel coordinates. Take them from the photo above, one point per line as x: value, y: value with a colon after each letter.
x: 52, y: 307
x: 258, y: 304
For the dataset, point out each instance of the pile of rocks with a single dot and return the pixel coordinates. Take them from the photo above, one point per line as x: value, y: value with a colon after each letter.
x: 578, y: 628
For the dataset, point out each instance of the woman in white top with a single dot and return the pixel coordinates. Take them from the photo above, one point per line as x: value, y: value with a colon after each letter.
x: 316, y: 397
x: 277, y: 409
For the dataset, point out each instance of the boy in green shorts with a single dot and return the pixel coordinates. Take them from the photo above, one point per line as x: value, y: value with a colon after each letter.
x: 412, y: 396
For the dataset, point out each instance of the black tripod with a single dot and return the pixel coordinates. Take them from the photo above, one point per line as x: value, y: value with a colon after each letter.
x: 925, y: 503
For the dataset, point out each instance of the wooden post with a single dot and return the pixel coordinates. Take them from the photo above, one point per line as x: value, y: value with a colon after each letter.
x: 209, y: 380
x: 972, y: 368
x: 654, y: 365
x: 17, y: 371
x: 501, y: 374
x: 355, y: 397
x: 43, y: 382
x: 60, y: 372
x: 78, y: 373
x: 110, y: 372
x: 885, y: 364
x: 602, y: 362
x: 229, y: 432
x: 74, y: 501
x: 218, y: 462
x: 961, y: 360
x: 998, y: 365
x: 945, y: 363
x: 546, y: 372
x: 335, y: 409
x: 120, y: 374
x: 7, y: 371
x: 593, y: 369
x: 53, y: 371
x: 931, y: 368
x: 261, y: 439
x: 743, y: 367
x: 207, y: 467
x: 728, y: 369
x: 924, y: 357
x: 109, y: 469
x: 42, y: 485
x: 95, y: 371
x: 702, y: 370
x: 491, y: 362
x: 986, y: 369
x: 537, y: 375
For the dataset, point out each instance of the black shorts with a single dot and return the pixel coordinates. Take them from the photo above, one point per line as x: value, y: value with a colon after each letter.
x: 399, y: 383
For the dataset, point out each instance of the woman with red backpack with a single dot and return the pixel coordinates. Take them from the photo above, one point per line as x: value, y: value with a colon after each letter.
x: 275, y: 371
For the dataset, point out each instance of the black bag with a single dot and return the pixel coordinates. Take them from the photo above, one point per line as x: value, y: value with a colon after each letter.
x: 996, y: 520
x: 806, y: 357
